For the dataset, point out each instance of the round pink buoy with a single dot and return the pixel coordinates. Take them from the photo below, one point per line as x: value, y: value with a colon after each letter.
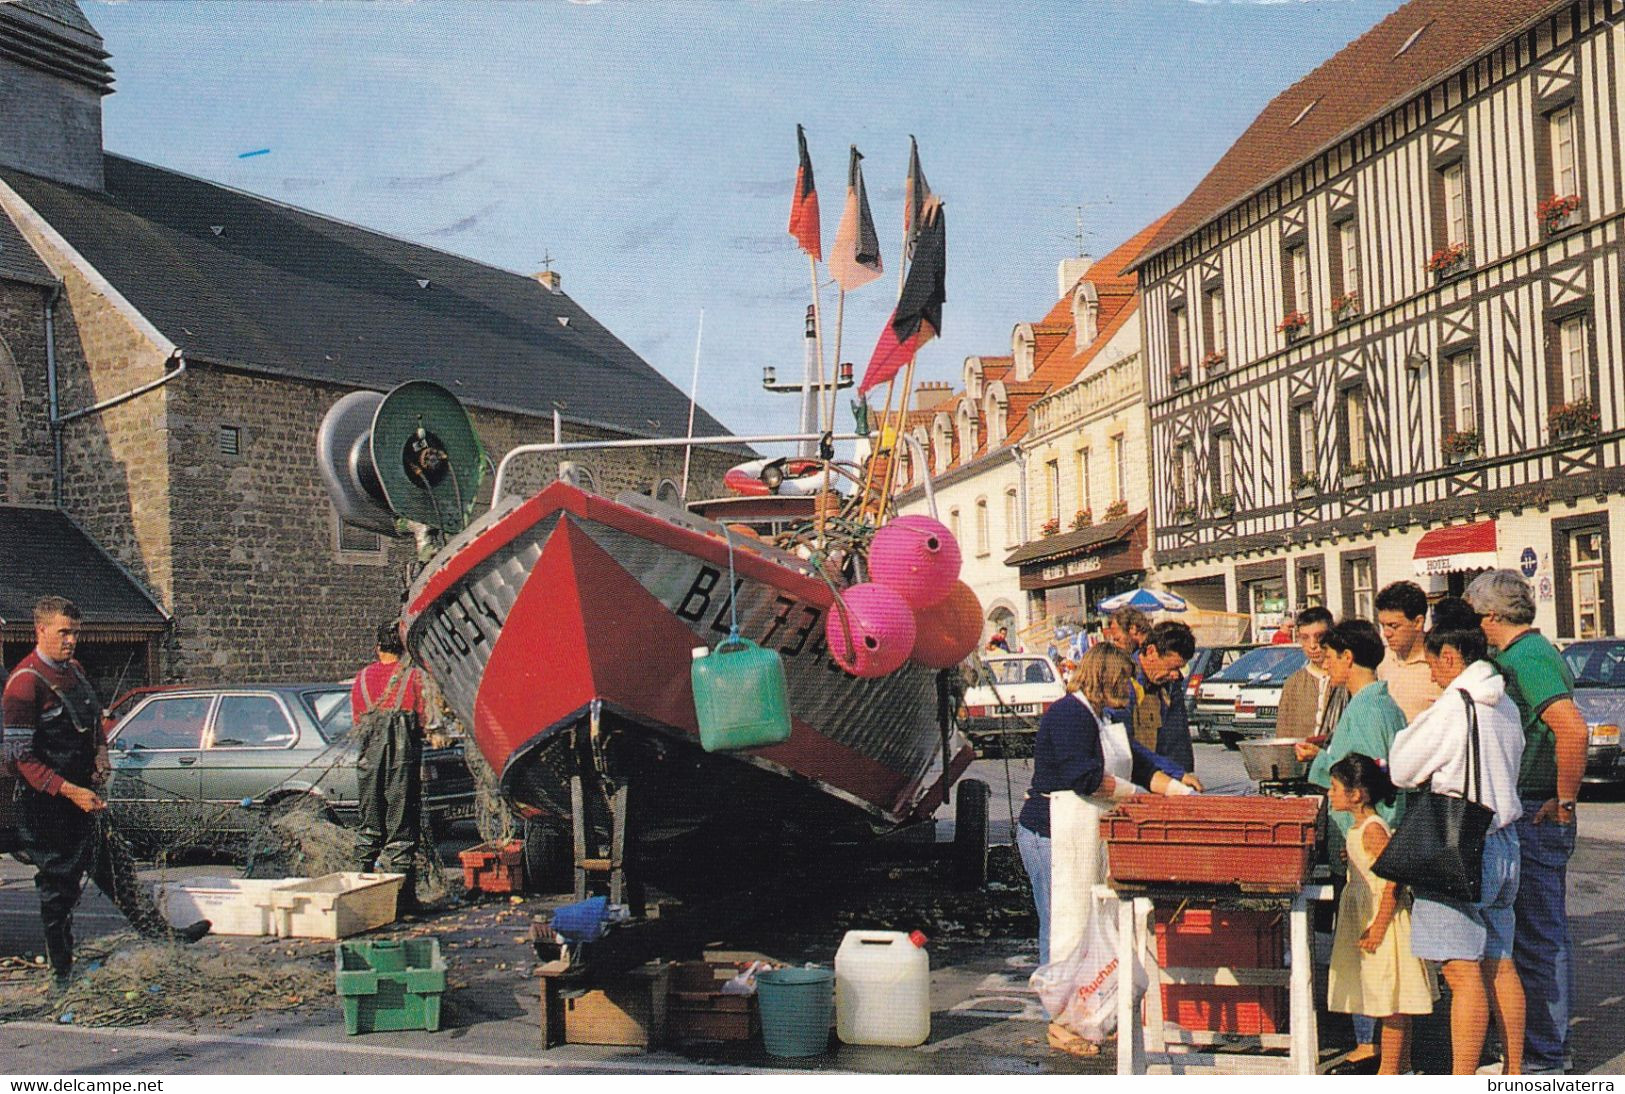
x: 916, y: 556
x: 881, y: 628
x: 948, y: 631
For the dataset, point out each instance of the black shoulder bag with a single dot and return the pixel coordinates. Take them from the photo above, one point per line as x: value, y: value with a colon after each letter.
x: 1438, y: 848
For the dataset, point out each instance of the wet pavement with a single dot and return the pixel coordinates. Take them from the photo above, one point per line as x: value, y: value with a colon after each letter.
x: 985, y: 1020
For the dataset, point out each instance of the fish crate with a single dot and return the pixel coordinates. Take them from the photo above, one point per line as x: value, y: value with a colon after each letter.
x: 496, y: 866
x: 1208, y: 937
x: 697, y: 1009
x: 1254, y: 842
x: 235, y: 906
x: 336, y: 905
x: 390, y: 985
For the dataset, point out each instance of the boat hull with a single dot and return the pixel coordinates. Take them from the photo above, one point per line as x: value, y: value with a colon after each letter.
x: 569, y: 609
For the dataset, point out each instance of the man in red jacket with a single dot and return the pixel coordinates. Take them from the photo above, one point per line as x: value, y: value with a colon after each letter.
x: 61, y: 814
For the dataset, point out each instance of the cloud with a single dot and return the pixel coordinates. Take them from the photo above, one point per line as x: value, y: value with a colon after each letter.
x: 642, y: 235
x: 429, y: 182
x: 457, y: 227
x: 761, y: 245
x: 763, y: 189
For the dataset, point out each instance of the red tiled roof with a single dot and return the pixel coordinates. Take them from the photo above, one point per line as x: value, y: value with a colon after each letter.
x: 1358, y: 84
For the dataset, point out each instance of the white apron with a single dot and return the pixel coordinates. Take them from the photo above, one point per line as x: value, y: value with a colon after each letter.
x: 1077, y: 853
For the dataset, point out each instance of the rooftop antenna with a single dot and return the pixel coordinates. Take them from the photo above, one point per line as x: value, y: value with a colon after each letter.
x: 1080, y: 233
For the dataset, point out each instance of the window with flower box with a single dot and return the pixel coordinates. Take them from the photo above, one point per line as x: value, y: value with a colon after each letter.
x: 1180, y: 326
x: 1557, y: 169
x: 1450, y: 214
x: 1218, y: 329
x: 1356, y: 449
x: 1119, y: 469
x: 1459, y: 406
x: 1082, y: 459
x: 1345, y: 243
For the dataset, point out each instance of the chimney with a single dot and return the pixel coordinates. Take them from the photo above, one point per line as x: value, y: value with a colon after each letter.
x: 54, y: 72
x: 550, y: 280
x: 1071, y: 269
x: 929, y: 392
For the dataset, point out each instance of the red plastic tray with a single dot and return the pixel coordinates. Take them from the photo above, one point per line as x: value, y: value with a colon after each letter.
x: 494, y: 867
x: 1214, y: 938
x: 1197, y: 839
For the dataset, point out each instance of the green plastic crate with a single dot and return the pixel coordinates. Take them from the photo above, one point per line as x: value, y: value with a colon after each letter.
x: 390, y: 985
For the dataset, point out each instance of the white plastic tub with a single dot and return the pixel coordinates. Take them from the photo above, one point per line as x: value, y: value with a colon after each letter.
x: 236, y: 906
x: 882, y: 989
x: 335, y: 905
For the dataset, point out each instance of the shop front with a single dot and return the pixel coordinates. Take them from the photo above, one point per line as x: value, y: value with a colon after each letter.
x: 1065, y: 576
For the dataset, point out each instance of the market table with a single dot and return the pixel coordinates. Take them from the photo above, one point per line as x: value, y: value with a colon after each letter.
x: 1175, y: 1048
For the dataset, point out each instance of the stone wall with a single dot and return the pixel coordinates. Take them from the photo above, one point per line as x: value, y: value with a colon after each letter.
x: 25, y: 409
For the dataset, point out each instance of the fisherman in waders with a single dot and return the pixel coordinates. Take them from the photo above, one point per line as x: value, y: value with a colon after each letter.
x: 62, y: 819
x: 387, y: 704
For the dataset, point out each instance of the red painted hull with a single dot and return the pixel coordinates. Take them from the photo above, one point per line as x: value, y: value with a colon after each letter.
x: 567, y: 600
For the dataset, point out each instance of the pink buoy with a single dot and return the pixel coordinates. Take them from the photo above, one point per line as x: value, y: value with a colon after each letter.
x: 881, y: 628
x: 916, y: 556
x: 948, y: 631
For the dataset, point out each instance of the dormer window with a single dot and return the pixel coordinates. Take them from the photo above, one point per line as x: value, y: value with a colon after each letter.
x: 1085, y: 315
x: 1022, y: 347
x: 993, y: 415
x: 942, y: 444
x: 973, y: 377
x: 967, y: 434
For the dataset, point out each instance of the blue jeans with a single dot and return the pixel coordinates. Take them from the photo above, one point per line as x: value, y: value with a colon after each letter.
x: 1542, y: 948
x: 1035, y: 858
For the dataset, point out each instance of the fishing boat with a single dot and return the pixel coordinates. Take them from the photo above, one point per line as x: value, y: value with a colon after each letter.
x: 561, y: 627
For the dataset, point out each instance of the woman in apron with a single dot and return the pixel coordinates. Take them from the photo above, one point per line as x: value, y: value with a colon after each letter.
x: 1082, y: 763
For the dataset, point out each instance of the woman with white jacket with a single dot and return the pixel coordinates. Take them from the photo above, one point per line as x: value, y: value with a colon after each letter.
x: 1473, y: 942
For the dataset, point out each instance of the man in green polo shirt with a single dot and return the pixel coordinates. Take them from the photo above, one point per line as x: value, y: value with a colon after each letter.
x: 1554, y: 758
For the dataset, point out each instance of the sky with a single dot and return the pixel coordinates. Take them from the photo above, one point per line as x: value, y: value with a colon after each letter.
x: 647, y: 148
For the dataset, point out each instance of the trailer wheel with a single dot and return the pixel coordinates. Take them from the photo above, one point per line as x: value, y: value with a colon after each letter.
x: 547, y: 858
x: 970, y: 835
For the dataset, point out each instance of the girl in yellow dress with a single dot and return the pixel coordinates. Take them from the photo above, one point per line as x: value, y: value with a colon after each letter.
x: 1373, y: 970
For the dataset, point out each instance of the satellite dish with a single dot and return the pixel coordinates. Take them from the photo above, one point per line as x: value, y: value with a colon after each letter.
x: 411, y: 454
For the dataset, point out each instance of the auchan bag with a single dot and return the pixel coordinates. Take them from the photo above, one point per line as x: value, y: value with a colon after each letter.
x: 1079, y: 991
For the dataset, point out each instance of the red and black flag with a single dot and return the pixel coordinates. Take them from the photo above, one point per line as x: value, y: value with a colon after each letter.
x: 855, y: 260
x: 916, y: 192
x: 918, y: 317
x: 804, y: 207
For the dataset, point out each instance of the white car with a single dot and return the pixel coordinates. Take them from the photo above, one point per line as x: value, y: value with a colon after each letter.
x: 1014, y: 692
x: 1219, y: 701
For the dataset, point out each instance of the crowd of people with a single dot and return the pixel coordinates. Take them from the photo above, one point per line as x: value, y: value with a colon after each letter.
x: 1380, y: 708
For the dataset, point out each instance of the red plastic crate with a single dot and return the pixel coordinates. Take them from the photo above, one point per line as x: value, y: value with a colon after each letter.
x: 1198, y: 839
x: 494, y: 867
x: 1205, y: 938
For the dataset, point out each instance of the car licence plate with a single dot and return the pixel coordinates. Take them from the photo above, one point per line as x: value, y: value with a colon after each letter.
x: 458, y: 811
x: 1021, y: 708
x: 1605, y: 735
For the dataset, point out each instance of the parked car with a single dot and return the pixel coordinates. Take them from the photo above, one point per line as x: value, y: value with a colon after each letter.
x: 204, y: 766
x: 1598, y: 665
x: 1266, y: 668
x: 1207, y: 661
x: 1003, y: 708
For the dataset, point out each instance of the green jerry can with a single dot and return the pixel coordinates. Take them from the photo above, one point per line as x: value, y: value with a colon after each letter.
x: 740, y: 696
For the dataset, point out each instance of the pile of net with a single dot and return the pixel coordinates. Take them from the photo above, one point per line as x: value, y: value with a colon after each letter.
x: 122, y: 980
x: 301, y: 839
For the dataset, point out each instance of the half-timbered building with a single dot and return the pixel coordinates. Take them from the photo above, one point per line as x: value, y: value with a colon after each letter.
x: 1384, y: 334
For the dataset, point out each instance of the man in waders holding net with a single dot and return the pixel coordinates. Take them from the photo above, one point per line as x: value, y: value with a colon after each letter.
x: 386, y: 701
x: 62, y: 819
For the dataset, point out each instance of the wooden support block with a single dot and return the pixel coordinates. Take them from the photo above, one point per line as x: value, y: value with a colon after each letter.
x: 629, y: 1009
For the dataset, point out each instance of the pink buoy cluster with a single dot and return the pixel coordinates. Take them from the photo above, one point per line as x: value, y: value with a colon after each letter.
x: 914, y: 606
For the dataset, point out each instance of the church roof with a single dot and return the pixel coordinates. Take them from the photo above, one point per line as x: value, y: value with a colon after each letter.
x: 244, y: 282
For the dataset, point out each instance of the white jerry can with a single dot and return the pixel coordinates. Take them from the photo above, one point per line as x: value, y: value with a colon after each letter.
x: 883, y: 989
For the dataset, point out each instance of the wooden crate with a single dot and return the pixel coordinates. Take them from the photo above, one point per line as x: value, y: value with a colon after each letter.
x: 628, y: 1010
x: 697, y: 1010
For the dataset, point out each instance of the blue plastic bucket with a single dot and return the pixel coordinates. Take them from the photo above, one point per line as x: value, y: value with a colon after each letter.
x: 797, y: 1008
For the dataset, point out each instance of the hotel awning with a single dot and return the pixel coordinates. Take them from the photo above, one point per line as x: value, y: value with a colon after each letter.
x: 1456, y: 548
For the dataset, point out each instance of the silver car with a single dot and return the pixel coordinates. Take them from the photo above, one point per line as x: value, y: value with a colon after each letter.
x: 1598, y: 665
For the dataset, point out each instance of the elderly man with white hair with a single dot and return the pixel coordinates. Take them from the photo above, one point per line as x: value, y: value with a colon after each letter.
x: 1554, y: 759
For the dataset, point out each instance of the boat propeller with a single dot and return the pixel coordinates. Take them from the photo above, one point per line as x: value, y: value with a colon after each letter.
x: 409, y: 456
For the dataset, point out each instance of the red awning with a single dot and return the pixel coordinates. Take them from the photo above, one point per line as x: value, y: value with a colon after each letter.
x: 1456, y: 548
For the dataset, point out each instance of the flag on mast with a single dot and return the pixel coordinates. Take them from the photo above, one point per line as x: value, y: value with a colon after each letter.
x: 855, y: 261
x: 916, y: 192
x: 804, y: 206
x: 918, y: 317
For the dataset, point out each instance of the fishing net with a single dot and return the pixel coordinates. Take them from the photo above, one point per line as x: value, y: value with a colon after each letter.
x: 123, y: 980
x: 494, y: 818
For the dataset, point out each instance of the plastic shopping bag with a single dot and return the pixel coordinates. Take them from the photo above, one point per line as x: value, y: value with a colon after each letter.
x: 1079, y: 991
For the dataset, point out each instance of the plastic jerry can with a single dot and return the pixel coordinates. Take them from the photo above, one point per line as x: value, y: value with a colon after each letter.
x: 740, y: 696
x: 883, y: 989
